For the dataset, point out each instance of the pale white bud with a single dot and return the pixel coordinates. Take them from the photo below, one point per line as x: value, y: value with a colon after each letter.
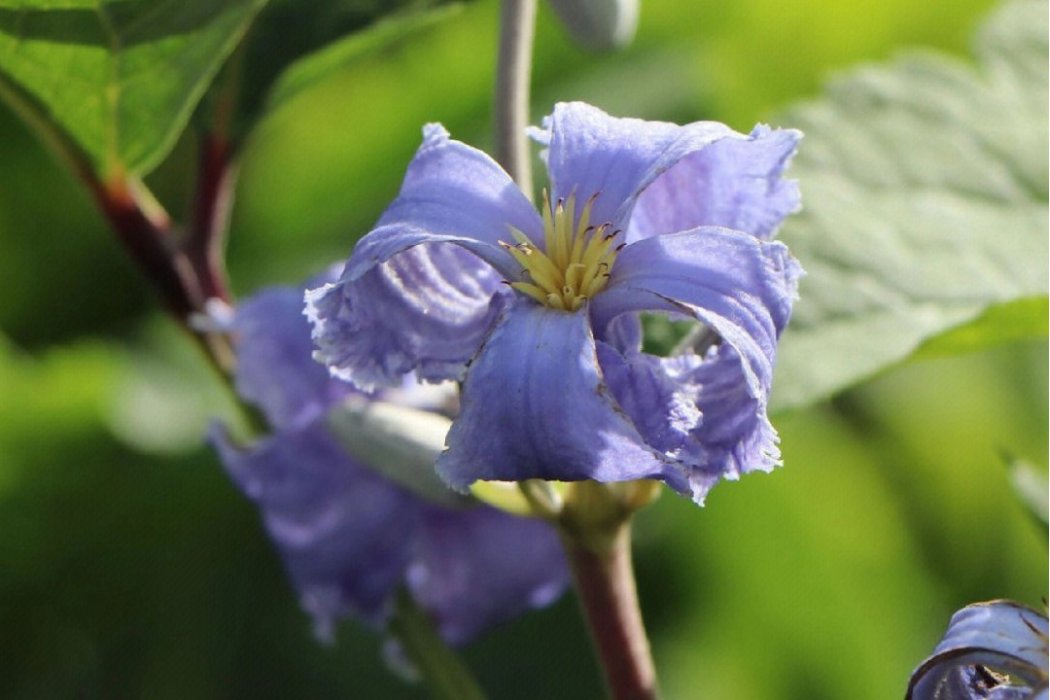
x: 599, y: 24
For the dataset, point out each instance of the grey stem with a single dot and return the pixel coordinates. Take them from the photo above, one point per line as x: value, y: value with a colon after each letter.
x: 513, y: 70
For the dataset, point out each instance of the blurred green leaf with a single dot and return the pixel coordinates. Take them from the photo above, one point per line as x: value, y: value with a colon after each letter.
x: 296, y: 43
x: 1030, y: 485
x: 166, y: 396
x: 925, y: 188
x: 114, y: 79
x: 322, y: 64
x: 1024, y: 319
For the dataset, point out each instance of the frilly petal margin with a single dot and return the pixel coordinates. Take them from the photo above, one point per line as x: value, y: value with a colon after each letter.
x: 475, y: 568
x: 735, y: 436
x: 740, y: 287
x: 455, y: 193
x: 425, y: 310
x: 416, y: 292
x: 649, y: 389
x: 272, y: 332
x: 535, y: 406
x: 339, y: 528
x: 1001, y: 635
x: 591, y: 152
x: 695, y: 410
x: 731, y: 183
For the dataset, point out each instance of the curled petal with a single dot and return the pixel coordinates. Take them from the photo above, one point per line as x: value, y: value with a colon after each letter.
x: 649, y: 389
x: 590, y: 152
x: 1000, y: 635
x: 731, y: 183
x: 478, y: 567
x: 535, y: 405
x: 341, y: 530
x: 738, y: 286
x: 623, y: 333
x: 696, y: 410
x: 275, y: 368
x: 735, y: 436
x: 453, y: 193
x: 415, y: 294
x: 426, y: 310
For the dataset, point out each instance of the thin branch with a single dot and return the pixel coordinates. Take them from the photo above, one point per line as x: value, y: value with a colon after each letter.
x: 444, y: 674
x: 205, y: 244
x: 511, y: 108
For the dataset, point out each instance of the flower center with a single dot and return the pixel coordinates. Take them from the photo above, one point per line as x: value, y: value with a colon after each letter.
x: 575, y: 262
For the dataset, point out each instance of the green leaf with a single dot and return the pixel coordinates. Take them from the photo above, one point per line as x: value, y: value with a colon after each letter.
x: 315, y: 67
x: 925, y: 221
x: 1024, y: 319
x: 114, y: 81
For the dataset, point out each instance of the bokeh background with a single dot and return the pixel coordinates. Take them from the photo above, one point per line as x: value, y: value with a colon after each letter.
x: 131, y: 568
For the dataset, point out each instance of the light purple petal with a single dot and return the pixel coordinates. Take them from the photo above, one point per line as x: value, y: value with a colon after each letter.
x: 534, y: 405
x: 1001, y: 635
x: 426, y: 310
x: 451, y: 192
x: 624, y: 333
x: 731, y: 183
x: 735, y: 436
x: 275, y: 368
x: 416, y: 292
x: 696, y: 410
x: 739, y: 286
x: 591, y: 152
x: 478, y: 567
x: 343, y: 532
x: 649, y: 389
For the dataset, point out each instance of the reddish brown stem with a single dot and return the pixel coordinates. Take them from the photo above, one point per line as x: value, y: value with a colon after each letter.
x: 206, y: 242
x: 146, y: 236
x: 145, y: 232
x: 606, y: 589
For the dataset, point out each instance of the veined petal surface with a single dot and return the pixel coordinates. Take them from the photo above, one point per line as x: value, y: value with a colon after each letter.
x: 732, y: 183
x: 425, y: 310
x: 535, y: 405
x: 591, y: 152
x: 451, y: 192
x: 739, y: 286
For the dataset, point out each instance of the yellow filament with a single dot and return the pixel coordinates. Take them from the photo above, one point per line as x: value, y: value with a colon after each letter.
x: 576, y: 258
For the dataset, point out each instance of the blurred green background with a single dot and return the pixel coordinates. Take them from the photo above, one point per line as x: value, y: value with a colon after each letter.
x: 129, y: 567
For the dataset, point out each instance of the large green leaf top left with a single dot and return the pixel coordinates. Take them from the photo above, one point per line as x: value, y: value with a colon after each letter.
x: 115, y: 80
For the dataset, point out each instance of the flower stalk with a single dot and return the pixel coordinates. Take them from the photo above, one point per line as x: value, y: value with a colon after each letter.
x: 595, y: 527
x: 604, y: 580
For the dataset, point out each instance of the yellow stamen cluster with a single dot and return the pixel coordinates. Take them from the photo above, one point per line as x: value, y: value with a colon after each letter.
x: 575, y: 262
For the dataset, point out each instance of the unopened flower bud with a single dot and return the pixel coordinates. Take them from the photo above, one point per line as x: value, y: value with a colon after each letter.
x: 599, y: 24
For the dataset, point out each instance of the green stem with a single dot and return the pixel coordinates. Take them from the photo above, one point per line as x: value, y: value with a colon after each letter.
x: 511, y: 108
x: 442, y: 671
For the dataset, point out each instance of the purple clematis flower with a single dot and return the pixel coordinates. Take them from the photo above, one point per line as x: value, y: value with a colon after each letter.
x: 349, y: 535
x: 991, y: 651
x: 537, y: 312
